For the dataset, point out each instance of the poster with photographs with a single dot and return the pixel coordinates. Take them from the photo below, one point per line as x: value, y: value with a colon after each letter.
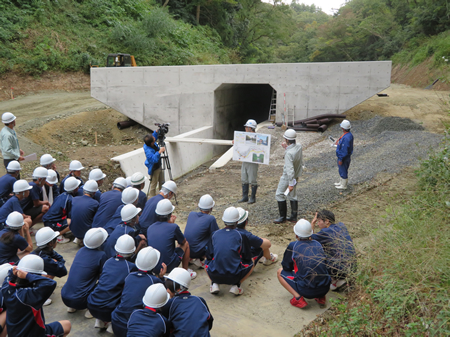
x: 251, y: 147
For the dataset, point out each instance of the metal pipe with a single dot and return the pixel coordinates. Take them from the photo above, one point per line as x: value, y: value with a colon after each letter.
x: 125, y: 124
x: 322, y: 128
x: 318, y: 117
x: 312, y: 125
x: 303, y: 129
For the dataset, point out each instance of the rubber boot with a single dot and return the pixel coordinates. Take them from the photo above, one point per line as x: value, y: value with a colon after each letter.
x: 253, y: 196
x: 294, y: 210
x: 244, y: 193
x: 282, y: 207
x: 343, y: 185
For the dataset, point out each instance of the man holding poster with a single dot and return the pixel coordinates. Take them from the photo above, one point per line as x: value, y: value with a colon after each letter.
x: 249, y: 171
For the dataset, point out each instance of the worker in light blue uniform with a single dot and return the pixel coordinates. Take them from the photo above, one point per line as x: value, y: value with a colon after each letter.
x: 304, y: 271
x: 75, y: 168
x: 148, y: 322
x: 109, y: 201
x: 189, y: 315
x: 229, y: 259
x: 33, y: 205
x: 83, y: 210
x: 25, y: 291
x: 21, y: 190
x: 148, y: 217
x: 199, y: 228
x: 249, y: 171
x: 85, y: 270
x: 129, y: 196
x: 138, y: 182
x: 134, y: 289
x: 344, y: 151
x: 338, y: 246
x: 7, y: 181
x: 106, y: 295
x: 15, y: 239
x: 130, y: 217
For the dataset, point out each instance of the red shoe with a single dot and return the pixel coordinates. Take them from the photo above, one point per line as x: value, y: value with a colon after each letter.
x: 322, y: 301
x: 299, y: 303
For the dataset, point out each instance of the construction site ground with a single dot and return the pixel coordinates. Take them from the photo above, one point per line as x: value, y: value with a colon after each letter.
x: 72, y: 125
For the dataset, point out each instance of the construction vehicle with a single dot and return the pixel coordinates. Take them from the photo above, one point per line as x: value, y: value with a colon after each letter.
x: 120, y: 60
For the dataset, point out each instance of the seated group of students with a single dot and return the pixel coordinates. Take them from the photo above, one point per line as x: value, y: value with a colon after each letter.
x: 128, y: 250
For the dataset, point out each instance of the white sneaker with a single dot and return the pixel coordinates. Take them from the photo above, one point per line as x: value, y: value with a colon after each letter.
x: 236, y: 290
x: 214, y: 288
x: 48, y: 302
x: 100, y: 324
x: 198, y: 263
x: 192, y: 273
x: 109, y: 329
x: 88, y: 314
x: 76, y: 240
x: 62, y: 239
x: 273, y: 259
x: 71, y: 309
x: 337, y: 284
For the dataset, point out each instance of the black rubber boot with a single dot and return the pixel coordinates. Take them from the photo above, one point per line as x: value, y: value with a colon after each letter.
x: 282, y: 207
x: 253, y: 196
x: 294, y: 210
x: 244, y: 193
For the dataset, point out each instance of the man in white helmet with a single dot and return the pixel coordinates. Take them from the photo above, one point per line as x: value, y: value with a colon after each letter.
x: 48, y: 162
x: 33, y: 205
x: 292, y: 170
x: 9, y: 141
x: 7, y: 181
x: 344, y: 151
x: 75, y: 168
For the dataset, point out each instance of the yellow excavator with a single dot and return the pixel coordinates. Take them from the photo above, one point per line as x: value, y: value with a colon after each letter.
x: 120, y: 60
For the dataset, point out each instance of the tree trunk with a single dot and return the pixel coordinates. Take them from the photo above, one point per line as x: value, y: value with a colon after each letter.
x: 165, y: 3
x: 197, y: 16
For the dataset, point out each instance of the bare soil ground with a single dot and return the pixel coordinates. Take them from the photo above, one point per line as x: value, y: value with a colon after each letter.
x: 65, y: 123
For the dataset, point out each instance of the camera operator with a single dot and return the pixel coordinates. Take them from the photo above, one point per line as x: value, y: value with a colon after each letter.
x: 153, y: 162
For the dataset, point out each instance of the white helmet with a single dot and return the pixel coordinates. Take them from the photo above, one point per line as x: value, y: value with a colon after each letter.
x: 243, y: 215
x: 156, y: 296
x: 96, y: 174
x: 4, y: 269
x: 147, y: 258
x: 129, y: 212
x: 47, y: 159
x: 171, y: 186
x: 290, y: 134
x: 125, y: 245
x: 251, y: 123
x: 13, y: 166
x: 230, y: 215
x: 8, y: 117
x: 71, y: 183
x: 303, y: 228
x: 206, y: 202
x: 130, y: 195
x: 75, y: 165
x: 90, y: 186
x: 45, y: 235
x: 95, y: 237
x: 14, y: 220
x: 137, y: 178
x: 180, y: 276
x: 52, y: 177
x: 128, y: 179
x: 120, y: 183
x: 32, y: 263
x: 164, y: 207
x: 345, y: 125
x: 40, y: 172
x: 21, y: 186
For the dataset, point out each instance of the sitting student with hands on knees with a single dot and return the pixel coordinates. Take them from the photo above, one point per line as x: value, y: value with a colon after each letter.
x: 15, y: 239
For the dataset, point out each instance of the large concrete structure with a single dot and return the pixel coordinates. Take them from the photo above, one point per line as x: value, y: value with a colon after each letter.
x: 223, y: 97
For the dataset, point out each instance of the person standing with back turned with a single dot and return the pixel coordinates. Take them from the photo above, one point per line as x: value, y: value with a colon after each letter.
x: 344, y: 151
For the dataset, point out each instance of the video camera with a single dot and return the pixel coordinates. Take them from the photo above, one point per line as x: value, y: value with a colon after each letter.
x: 163, y: 128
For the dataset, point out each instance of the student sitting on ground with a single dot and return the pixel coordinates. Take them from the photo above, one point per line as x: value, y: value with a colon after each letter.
x: 260, y: 247
x: 138, y: 182
x: 98, y: 176
x: 129, y: 196
x: 25, y: 292
x: 33, y: 205
x: 50, y: 190
x: 83, y: 211
x: 304, y: 272
x: 7, y: 181
x: 75, y: 168
x: 189, y: 315
x: 4, y: 271
x: 229, y: 255
x: 338, y: 247
x: 148, y: 322
x: 85, y: 271
x: 199, y: 228
x: 21, y: 190
x: 15, y: 239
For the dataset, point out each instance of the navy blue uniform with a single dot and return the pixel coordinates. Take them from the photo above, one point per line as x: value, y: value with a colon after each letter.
x: 83, y: 276
x: 304, y: 268
x: 344, y: 151
x: 83, y: 212
x: 61, y: 186
x: 120, y: 230
x: 148, y: 216
x: 142, y: 200
x: 198, y: 231
x: 162, y: 236
x: 255, y: 244
x: 109, y: 202
x: 135, y: 286
x: 115, y: 220
x: 8, y: 252
x: 13, y: 204
x: 51, y: 267
x: 189, y: 315
x: 106, y: 296
x: 6, y: 187
x: 147, y: 323
x: 60, y: 210
x: 35, y: 194
x: 98, y: 195
x: 339, y: 249
x: 229, y: 257
x: 24, y: 304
